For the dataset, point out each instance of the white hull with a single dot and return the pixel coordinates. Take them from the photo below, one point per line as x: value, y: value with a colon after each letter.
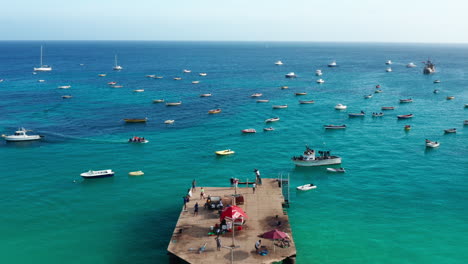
x: 43, y: 69
x: 321, y: 162
x: 306, y: 187
x: 22, y: 138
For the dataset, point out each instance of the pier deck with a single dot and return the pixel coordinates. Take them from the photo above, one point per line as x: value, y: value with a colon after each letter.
x: 261, y: 207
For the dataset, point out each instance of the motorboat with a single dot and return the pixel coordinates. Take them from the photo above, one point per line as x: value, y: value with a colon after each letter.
x: 177, y: 78
x: 158, y: 101
x: 388, y: 108
x: 214, y: 111
x: 333, y: 64
x: 256, y: 95
x: 274, y: 119
x: 291, y: 75
x: 41, y: 81
x: 320, y: 81
x: 357, y: 114
x: 340, y: 107
x: 334, y: 127
x: 378, y: 91
x: 64, y: 87
x: 224, y: 152
x: 136, y: 120
x: 436, y: 81
x: 389, y: 62
x: 409, y: 100
x: 436, y: 91
x: 203, y: 74
x: 112, y: 83
x: 97, y: 174
x: 205, y: 95
x: 410, y: 65
x: 268, y: 129
x: 158, y: 77
x: 116, y: 86
x: 284, y: 87
x: 377, y: 86
x: 429, y: 67
x: 249, y: 130
x: 407, y: 127
x: 310, y: 159
x: 136, y: 173
x: 306, y: 102
x: 21, y: 135
x: 318, y: 72
x: 169, y: 122
x: 404, y: 116
x: 368, y: 96
x: 432, y: 144
x: 306, y: 187
x: 66, y: 96
x: 450, y: 97
x: 138, y: 140
x: 389, y: 69
x: 280, y: 106
x: 117, y: 67
x: 139, y: 90
x: 451, y: 130
x: 301, y: 93
x: 342, y: 170
x: 150, y: 76
x: 377, y: 114
x: 279, y: 63
x: 187, y: 71
x: 195, y: 82
x: 102, y: 75
x: 43, y: 67
x: 174, y: 103
x: 263, y: 101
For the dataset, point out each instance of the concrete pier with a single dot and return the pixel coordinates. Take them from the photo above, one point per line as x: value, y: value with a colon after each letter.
x: 264, y: 210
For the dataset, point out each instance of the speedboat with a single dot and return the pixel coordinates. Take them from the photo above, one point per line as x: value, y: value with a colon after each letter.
x: 249, y: 130
x: 205, y: 95
x: 451, y: 130
x: 150, y: 76
x: 274, y: 119
x: 64, y: 87
x: 20, y: 135
x: 138, y: 140
x: 279, y: 63
x: 306, y: 187
x: 284, y: 87
x: 333, y: 64
x: 307, y: 102
x: 342, y: 170
x: 368, y: 96
x: 407, y: 127
x: 203, y: 74
x: 138, y: 90
x: 432, y: 144
x: 377, y: 114
x: 41, y: 81
x: 66, y: 96
x: 388, y: 108
x: 436, y: 81
x: 291, y: 75
x: 224, y: 152
x: 280, y: 106
x: 135, y: 120
x: 174, y: 103
x: 136, y: 173
x: 169, y: 122
x: 410, y: 65
x: 187, y: 71
x: 158, y: 77
x: 97, y: 174
x: 268, y: 129
x: 158, y: 101
x: 378, y: 91
x: 102, y: 75
x: 195, y: 82
x: 389, y: 62
x: 214, y: 111
x: 318, y: 72
x: 256, y: 95
x: 388, y: 69
x: 334, y: 127
x: 263, y: 101
x: 450, y: 97
x: 177, y: 78
x: 340, y: 107
x: 320, y: 81
x: 301, y: 93
x: 116, y: 86
x: 357, y: 114
x: 309, y: 159
x: 112, y: 83
x: 409, y: 100
x: 404, y: 116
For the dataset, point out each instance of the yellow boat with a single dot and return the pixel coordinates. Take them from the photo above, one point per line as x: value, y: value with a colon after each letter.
x: 224, y: 152
x: 214, y: 111
x: 135, y: 120
x: 136, y: 173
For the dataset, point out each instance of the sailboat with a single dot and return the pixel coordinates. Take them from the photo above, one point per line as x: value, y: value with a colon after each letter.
x: 116, y: 66
x: 43, y: 67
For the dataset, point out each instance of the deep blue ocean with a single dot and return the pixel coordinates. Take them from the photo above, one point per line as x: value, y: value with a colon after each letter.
x: 398, y: 202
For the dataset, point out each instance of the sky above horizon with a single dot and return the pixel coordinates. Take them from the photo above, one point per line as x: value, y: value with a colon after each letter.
x: 242, y: 20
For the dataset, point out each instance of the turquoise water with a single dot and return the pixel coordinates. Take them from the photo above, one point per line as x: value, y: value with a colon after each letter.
x: 397, y: 203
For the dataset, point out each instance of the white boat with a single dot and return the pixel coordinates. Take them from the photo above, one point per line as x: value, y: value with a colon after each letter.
x: 436, y: 81
x: 174, y: 103
x: 279, y: 63
x: 40, y: 81
x: 378, y: 91
x: 116, y: 66
x: 450, y: 130
x: 333, y: 64
x: 195, y: 82
x: 43, y: 67
x: 280, y: 106
x: 369, y: 96
x: 340, y: 107
x: 187, y: 71
x: 66, y: 96
x: 306, y: 187
x: 388, y: 69
x: 136, y: 173
x: 20, y: 135
x: 169, y: 122
x: 309, y: 159
x: 410, y: 65
x: 256, y: 95
x: 150, y: 76
x: 432, y: 144
x: 139, y: 90
x: 268, y: 129
x: 205, y: 95
x: 389, y: 62
x: 263, y: 101
x: 291, y: 75
x: 158, y: 101
x: 336, y: 170
x: 203, y: 74
x: 97, y: 174
x: 320, y: 81
x: 318, y: 73
x: 141, y: 140
x: 274, y: 119
x: 64, y: 87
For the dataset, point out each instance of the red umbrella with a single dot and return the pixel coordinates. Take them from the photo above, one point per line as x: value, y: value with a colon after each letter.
x: 275, y: 234
x: 233, y: 212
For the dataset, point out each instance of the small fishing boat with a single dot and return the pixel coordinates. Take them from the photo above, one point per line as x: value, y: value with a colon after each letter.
x: 377, y: 114
x: 203, y: 74
x: 284, y: 87
x: 268, y: 129
x: 279, y: 106
x: 263, y: 101
x: 291, y: 75
x: 174, y: 103
x: 340, y: 107
x: 97, y: 174
x: 432, y: 144
x: 64, y: 87
x: 138, y: 90
x: 404, y: 116
x: 334, y: 126
x: 309, y: 159
x: 389, y: 62
x: 301, y: 93
x: 205, y: 95
x: 224, y: 152
x: 378, y: 91
x: 357, y: 114
x: 451, y: 130
x: 410, y: 65
x: 307, y: 102
x: 342, y: 170
x: 177, y: 78
x: 20, y: 135
x: 112, y: 83
x: 318, y: 73
x: 407, y: 127
x: 436, y: 81
x: 274, y: 119
x: 436, y: 91
x: 306, y: 187
x: 333, y: 64
x: 138, y: 140
x: 388, y: 108
x: 187, y: 71
x: 102, y: 75
x: 195, y: 82
x: 136, y: 173
x: 66, y: 96
x: 368, y: 96
x: 450, y: 97
x: 409, y: 100
x: 320, y: 81
x: 214, y: 111
x: 158, y: 101
x: 136, y: 120
x: 256, y: 95
x: 389, y: 69
x: 116, y: 86
x: 249, y: 130
x: 169, y: 122
x: 279, y: 63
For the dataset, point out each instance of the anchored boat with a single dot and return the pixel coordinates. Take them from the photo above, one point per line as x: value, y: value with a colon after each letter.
x: 97, y: 174
x: 309, y: 159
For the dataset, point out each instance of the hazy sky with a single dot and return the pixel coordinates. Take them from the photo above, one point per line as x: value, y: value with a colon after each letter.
x: 249, y: 20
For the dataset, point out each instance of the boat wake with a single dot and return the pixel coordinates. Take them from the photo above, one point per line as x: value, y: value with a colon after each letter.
x: 53, y: 136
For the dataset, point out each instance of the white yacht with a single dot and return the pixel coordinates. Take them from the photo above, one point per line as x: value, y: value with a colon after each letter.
x: 320, y: 81
x: 410, y: 65
x: 291, y: 75
x: 389, y: 62
x: 318, y: 72
x: 279, y: 63
x: 97, y: 174
x: 333, y: 64
x: 187, y: 71
x: 43, y: 67
x: 309, y: 159
x: 21, y: 135
x: 340, y: 107
x: 116, y: 66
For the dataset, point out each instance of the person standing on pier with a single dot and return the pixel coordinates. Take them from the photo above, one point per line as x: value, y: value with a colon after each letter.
x: 253, y: 187
x: 194, y: 185
x: 185, y: 202
x: 195, y: 209
x: 257, y: 175
x: 218, y: 243
x: 202, y: 193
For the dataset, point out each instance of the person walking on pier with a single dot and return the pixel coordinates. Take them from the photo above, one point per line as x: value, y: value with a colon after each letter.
x: 218, y: 243
x: 202, y: 193
x: 194, y: 185
x: 257, y: 175
x: 195, y: 209
x: 253, y: 187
